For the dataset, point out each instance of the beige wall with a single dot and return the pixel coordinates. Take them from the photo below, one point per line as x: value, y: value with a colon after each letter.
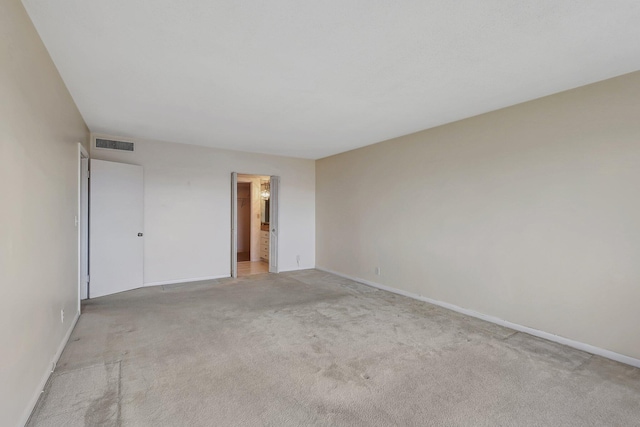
x: 39, y: 131
x: 187, y: 211
x: 530, y: 214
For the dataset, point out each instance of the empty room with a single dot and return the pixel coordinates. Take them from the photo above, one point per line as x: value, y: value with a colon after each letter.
x: 289, y: 213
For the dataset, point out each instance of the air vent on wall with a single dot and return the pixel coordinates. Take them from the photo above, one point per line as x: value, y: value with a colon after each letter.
x: 114, y: 145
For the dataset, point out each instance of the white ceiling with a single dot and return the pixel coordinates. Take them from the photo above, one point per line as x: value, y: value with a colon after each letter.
x: 315, y: 78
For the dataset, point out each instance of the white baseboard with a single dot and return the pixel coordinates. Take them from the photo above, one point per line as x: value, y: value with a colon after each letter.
x: 535, y: 332
x: 193, y: 279
x: 45, y: 377
x: 286, y: 270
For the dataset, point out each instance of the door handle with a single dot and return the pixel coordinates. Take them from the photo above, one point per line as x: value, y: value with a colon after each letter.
x: 139, y: 234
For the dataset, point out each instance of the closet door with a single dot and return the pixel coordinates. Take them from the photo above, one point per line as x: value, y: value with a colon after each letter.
x: 116, y: 243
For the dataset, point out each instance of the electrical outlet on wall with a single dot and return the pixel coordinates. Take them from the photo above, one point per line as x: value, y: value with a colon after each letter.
x: 377, y: 271
x: 62, y: 316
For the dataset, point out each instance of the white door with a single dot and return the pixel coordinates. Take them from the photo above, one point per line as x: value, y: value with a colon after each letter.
x: 273, y: 223
x: 116, y: 242
x: 234, y: 224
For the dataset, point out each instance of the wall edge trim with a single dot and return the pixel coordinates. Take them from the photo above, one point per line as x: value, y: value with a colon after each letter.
x: 47, y: 374
x: 193, y: 279
x: 628, y: 360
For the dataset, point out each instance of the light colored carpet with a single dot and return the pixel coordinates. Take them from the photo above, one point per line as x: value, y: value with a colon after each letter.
x: 310, y: 348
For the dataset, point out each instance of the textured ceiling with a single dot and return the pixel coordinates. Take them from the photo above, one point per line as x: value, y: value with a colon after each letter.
x: 315, y: 78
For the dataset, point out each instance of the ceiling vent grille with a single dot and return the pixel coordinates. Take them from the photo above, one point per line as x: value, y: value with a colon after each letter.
x: 114, y: 145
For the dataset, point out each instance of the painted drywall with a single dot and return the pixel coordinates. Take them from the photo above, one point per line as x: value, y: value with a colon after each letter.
x: 528, y: 214
x: 187, y: 209
x: 39, y: 132
x: 314, y: 78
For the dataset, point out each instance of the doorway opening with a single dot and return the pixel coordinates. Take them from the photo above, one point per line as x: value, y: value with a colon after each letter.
x: 254, y: 230
x: 244, y: 220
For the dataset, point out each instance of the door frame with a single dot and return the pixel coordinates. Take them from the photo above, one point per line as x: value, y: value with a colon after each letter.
x: 273, y: 224
x: 274, y: 227
x: 234, y: 224
x: 82, y: 218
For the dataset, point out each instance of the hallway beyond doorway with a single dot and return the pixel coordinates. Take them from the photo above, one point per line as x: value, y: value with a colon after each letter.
x: 254, y: 224
x: 248, y: 268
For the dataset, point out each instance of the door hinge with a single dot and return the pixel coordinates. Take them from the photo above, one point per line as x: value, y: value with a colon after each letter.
x: 88, y: 174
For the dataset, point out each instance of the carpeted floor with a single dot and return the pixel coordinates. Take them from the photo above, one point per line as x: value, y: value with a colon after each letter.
x: 310, y: 348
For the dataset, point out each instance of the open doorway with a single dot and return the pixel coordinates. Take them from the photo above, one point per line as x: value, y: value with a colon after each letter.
x: 244, y: 207
x: 254, y: 232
